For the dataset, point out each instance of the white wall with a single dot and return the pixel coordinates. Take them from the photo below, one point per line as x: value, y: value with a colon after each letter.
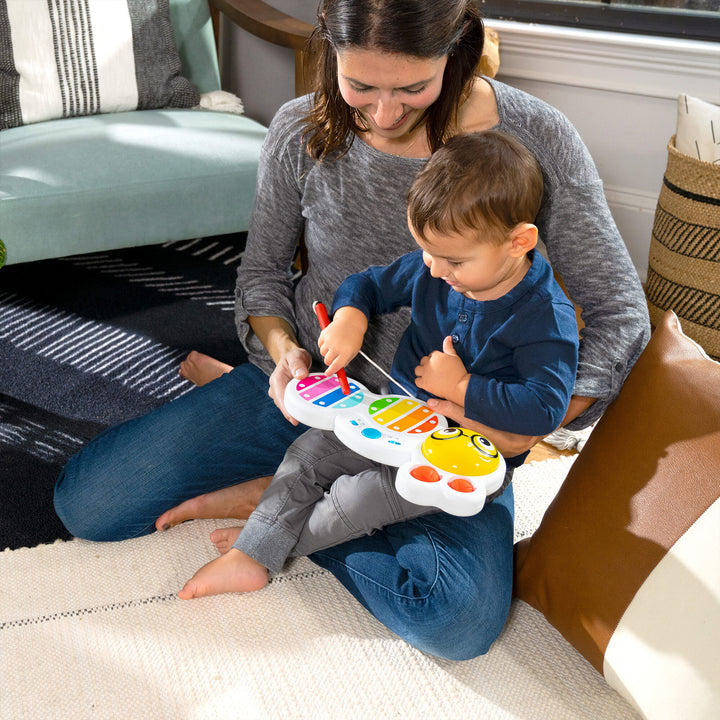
x: 619, y: 90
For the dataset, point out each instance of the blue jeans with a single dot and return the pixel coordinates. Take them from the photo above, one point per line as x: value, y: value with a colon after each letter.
x: 440, y: 582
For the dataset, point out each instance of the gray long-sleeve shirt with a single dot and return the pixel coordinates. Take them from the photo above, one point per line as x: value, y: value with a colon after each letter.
x: 353, y: 214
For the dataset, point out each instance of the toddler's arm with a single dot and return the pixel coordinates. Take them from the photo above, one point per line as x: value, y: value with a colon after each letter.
x: 532, y: 403
x: 342, y: 339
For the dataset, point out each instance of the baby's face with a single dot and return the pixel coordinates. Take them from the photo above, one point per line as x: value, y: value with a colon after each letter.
x: 479, y: 269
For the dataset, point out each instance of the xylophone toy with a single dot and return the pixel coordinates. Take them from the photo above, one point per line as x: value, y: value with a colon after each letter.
x: 450, y: 468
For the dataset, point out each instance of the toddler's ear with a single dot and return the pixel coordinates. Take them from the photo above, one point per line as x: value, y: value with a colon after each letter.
x: 524, y: 237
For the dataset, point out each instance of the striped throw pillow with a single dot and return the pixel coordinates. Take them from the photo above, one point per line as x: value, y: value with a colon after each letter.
x: 64, y: 58
x: 626, y: 561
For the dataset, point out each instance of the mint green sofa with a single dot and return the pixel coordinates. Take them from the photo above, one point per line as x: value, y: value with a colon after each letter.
x: 103, y: 182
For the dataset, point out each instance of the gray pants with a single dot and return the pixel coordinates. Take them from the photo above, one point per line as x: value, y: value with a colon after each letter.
x: 322, y: 495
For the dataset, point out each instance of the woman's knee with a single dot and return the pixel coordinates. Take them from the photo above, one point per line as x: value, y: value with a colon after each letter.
x: 89, y: 512
x: 77, y: 521
x: 449, y: 614
x: 441, y: 583
x: 460, y: 623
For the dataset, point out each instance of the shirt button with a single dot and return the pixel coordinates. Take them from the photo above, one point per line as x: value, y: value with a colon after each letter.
x: 463, y: 317
x: 455, y: 338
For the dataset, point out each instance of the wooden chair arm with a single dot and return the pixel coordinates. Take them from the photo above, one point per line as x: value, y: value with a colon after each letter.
x: 269, y: 24
x: 266, y: 22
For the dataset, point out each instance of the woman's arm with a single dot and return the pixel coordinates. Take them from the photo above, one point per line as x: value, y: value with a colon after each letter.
x: 275, y: 334
x: 587, y: 252
x: 509, y: 444
x: 265, y: 295
x: 602, y: 281
x: 584, y: 247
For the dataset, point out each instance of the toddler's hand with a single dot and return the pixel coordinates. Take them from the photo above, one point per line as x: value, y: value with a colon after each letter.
x: 443, y: 374
x: 342, y: 339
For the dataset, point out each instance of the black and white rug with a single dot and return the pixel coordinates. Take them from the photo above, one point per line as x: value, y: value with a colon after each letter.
x: 91, y: 340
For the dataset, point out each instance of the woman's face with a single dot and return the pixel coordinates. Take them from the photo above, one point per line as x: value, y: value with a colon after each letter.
x: 390, y: 91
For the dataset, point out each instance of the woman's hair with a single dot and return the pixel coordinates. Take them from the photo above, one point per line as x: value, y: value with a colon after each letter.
x: 482, y: 181
x: 419, y: 28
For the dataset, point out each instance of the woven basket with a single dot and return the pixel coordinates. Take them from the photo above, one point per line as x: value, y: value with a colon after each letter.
x: 684, y: 263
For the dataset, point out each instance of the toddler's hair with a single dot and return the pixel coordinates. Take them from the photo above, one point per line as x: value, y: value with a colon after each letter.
x: 477, y: 181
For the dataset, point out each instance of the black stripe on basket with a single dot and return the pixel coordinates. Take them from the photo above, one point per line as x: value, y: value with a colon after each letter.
x: 690, y: 195
x: 685, y: 238
x: 698, y: 306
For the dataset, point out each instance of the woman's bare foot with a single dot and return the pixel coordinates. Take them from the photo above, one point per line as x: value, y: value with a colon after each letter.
x: 232, y: 572
x: 224, y: 538
x: 201, y: 369
x: 236, y: 501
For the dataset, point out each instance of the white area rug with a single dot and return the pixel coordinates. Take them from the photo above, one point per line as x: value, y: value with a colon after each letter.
x: 95, y: 631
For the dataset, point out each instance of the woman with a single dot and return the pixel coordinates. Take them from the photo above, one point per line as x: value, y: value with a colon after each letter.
x: 395, y: 79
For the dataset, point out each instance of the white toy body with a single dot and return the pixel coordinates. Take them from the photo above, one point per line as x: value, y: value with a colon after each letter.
x: 453, y: 469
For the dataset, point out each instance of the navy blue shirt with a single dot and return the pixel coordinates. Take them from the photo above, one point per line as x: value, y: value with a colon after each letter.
x: 521, y: 350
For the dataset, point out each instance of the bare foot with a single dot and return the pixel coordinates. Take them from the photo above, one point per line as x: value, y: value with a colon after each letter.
x: 232, y: 572
x: 236, y: 501
x: 201, y: 369
x: 224, y: 538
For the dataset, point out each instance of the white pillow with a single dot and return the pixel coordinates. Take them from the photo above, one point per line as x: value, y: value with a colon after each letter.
x: 698, y: 129
x: 83, y: 58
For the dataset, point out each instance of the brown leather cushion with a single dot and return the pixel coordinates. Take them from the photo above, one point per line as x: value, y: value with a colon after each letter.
x: 649, y: 470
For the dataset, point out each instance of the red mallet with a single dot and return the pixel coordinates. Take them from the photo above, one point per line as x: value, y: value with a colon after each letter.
x: 324, y: 320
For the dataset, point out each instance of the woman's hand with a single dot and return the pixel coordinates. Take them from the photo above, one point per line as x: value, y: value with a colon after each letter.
x: 509, y: 444
x: 291, y: 361
x: 293, y: 365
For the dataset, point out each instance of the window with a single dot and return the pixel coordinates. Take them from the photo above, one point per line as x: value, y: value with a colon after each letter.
x: 691, y: 19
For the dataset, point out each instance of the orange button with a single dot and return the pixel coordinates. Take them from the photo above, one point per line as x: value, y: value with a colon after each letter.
x: 424, y: 473
x: 461, y: 485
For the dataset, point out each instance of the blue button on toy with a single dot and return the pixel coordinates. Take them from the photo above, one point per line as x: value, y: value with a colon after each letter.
x: 371, y: 433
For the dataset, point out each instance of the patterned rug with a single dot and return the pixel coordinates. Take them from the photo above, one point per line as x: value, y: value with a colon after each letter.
x: 91, y: 340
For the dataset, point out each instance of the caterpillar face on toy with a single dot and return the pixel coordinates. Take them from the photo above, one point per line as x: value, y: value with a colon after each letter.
x: 460, y: 450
